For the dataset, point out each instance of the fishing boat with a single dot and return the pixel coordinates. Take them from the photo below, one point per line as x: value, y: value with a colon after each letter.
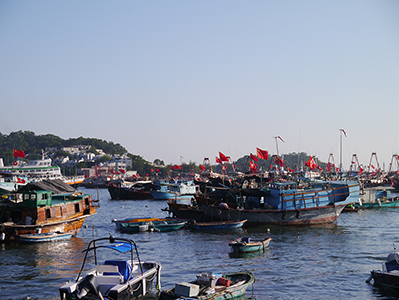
x: 139, y: 190
x: 247, y: 245
x: 218, y: 225
x: 388, y: 277
x: 43, y: 237
x: 33, y: 211
x: 209, y: 286
x: 319, y: 203
x: 181, y: 191
x: 377, y: 197
x: 113, y: 279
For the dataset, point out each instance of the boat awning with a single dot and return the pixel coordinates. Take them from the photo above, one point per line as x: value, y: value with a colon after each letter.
x: 121, y: 247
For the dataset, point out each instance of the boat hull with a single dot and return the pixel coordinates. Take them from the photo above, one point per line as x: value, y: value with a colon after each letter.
x: 40, y: 238
x: 240, y: 282
x: 386, y: 280
x: 219, y: 225
x: 123, y: 193
x: 254, y: 246
x: 71, y: 226
x: 309, y: 216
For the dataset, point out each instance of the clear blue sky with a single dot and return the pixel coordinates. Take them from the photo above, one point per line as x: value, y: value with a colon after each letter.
x: 168, y: 79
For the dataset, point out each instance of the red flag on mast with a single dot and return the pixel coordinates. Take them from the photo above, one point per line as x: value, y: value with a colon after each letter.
x: 19, y: 153
x: 253, y: 157
x: 223, y: 157
x: 263, y: 154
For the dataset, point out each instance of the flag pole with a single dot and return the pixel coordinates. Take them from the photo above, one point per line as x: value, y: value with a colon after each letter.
x: 275, y: 137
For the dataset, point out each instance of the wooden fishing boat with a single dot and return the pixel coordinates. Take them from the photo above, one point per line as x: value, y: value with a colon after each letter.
x: 114, y: 279
x: 139, y: 190
x: 43, y: 237
x: 218, y: 225
x: 387, y: 279
x: 246, y: 245
x: 40, y: 211
x: 320, y: 203
x: 209, y: 287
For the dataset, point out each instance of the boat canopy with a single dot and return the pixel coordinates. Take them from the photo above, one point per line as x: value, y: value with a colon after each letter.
x: 56, y: 186
x: 121, y: 247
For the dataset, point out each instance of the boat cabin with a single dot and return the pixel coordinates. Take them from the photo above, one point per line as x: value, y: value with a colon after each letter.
x: 41, y: 206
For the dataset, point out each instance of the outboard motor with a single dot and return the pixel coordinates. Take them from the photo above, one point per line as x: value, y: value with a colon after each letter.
x: 88, y: 285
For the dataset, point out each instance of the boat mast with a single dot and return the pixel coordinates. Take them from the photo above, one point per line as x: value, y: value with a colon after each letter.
x: 340, y: 151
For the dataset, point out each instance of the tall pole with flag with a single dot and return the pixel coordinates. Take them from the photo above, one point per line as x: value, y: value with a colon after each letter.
x: 278, y: 137
x: 340, y: 152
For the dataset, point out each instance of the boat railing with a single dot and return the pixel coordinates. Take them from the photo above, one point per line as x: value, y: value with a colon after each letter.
x: 316, y: 195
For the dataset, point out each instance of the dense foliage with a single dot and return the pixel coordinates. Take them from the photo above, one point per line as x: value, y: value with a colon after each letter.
x: 33, y: 145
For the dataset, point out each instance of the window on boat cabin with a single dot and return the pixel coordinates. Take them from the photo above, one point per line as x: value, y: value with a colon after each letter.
x: 77, y: 208
x: 48, y: 213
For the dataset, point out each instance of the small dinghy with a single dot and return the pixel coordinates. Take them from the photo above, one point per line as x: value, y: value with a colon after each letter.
x: 218, y: 225
x: 388, y: 277
x: 114, y: 279
x: 247, y: 245
x: 209, y: 286
x: 43, y: 237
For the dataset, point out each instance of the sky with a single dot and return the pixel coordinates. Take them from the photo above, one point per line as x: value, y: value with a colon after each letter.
x: 182, y: 80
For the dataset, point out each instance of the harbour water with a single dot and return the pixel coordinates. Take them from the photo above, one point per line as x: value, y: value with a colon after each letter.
x: 318, y: 262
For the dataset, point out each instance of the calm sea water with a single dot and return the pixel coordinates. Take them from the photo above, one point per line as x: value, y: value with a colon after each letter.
x: 323, y: 262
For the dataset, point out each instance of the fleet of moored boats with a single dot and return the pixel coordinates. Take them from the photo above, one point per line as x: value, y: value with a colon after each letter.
x: 34, y: 211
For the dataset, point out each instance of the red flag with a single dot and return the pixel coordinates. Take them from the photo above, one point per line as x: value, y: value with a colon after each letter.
x: 253, y: 157
x: 281, y: 139
x: 122, y: 171
x: 223, y: 157
x: 202, y: 167
x: 253, y: 167
x: 172, y: 167
x: 343, y: 132
x: 279, y: 161
x: 19, y: 180
x: 177, y: 167
x: 152, y: 170
x: 263, y: 154
x: 19, y: 153
x: 218, y: 161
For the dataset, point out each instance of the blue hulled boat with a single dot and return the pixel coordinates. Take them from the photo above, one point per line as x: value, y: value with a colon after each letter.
x: 285, y: 204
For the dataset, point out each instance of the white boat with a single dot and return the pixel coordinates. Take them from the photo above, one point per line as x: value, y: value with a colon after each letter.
x: 10, y: 182
x: 41, y: 169
x: 114, y: 279
x: 180, y: 191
